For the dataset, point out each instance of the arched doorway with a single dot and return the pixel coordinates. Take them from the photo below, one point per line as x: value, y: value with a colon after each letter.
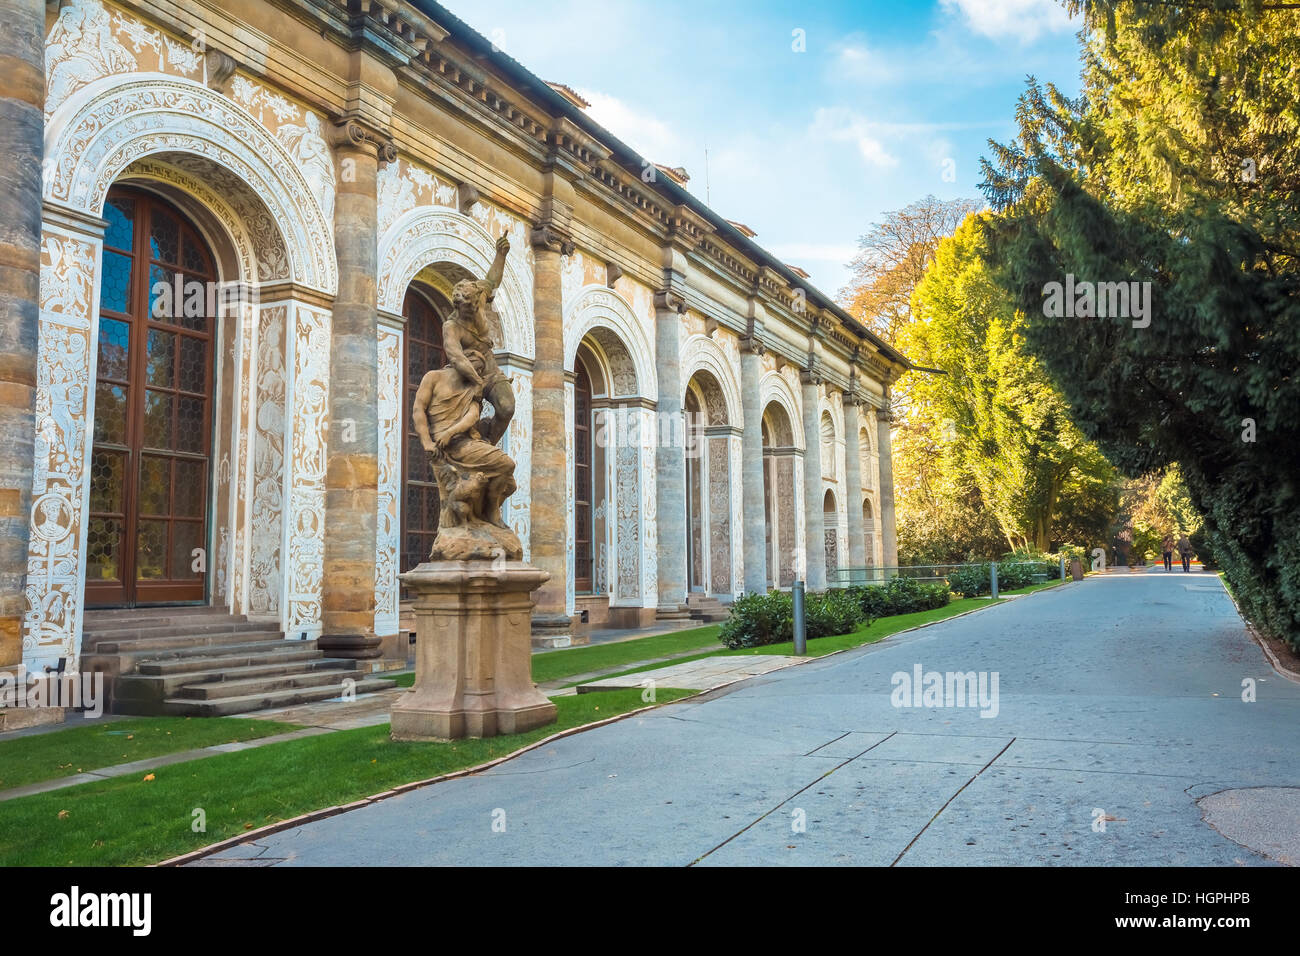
x: 150, y: 473
x: 423, y: 309
x: 831, y: 518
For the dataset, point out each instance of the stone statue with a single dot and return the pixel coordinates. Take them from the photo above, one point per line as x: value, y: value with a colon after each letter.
x: 474, y: 476
x: 473, y: 603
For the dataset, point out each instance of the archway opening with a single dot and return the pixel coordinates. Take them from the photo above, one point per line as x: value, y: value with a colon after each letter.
x: 779, y: 495
x: 708, y: 486
x: 424, y: 309
x: 831, y: 519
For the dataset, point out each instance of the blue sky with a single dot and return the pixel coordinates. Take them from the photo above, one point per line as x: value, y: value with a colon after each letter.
x: 807, y: 148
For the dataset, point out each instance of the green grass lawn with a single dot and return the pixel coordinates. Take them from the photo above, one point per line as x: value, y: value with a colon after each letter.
x: 125, y: 821
x: 567, y: 662
x: 62, y: 753
x: 819, y: 646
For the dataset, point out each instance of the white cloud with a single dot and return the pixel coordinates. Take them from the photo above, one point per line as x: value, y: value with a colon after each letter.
x: 856, y: 61
x: 654, y: 139
x: 1022, y: 19
x: 840, y: 124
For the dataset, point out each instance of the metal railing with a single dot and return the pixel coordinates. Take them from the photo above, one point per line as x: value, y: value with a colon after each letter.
x: 848, y: 577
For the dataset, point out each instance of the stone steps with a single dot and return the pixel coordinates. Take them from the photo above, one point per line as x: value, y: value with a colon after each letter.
x: 706, y: 608
x: 155, y: 686
x: 201, y: 662
x: 266, y: 700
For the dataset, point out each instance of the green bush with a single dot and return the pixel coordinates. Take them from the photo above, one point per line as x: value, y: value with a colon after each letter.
x: 900, y: 596
x: 830, y: 613
x: 759, y: 619
x: 969, y: 580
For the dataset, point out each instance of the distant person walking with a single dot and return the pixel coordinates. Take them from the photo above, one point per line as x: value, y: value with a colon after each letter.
x: 1167, y: 549
x: 1185, y: 552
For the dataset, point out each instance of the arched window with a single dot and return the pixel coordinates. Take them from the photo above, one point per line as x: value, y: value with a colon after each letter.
x: 150, y: 462
x: 424, y: 352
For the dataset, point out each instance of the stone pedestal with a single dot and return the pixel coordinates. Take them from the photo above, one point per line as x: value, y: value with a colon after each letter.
x: 473, y: 659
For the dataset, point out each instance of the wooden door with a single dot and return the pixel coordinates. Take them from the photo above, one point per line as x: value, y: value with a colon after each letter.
x: 150, y: 460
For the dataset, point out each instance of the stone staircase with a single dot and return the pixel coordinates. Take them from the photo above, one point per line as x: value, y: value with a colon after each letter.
x: 206, y: 662
x: 706, y: 608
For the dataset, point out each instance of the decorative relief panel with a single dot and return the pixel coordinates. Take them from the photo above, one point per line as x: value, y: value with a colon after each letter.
x: 518, y: 444
x: 736, y: 446
x: 391, y: 436
x: 241, y: 486
x: 648, y: 524
x: 569, y: 516
x: 268, y: 465
x: 112, y: 126
x: 305, y: 477
x: 427, y: 235
x: 627, y: 501
x: 596, y: 307
x: 89, y: 41
x: 404, y: 185
x: 719, y: 515
x: 64, y: 416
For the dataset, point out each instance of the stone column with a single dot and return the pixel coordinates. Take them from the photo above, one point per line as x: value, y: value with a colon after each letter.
x: 813, y: 520
x: 888, y: 531
x: 22, y: 99
x: 552, y: 626
x: 352, y: 457
x: 755, y: 523
x: 670, y: 460
x: 853, y: 481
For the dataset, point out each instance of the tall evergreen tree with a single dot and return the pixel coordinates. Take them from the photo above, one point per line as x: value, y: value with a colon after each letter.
x: 1178, y: 166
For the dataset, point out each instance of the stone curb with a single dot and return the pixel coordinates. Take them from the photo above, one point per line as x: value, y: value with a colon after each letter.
x: 1255, y: 636
x: 314, y: 815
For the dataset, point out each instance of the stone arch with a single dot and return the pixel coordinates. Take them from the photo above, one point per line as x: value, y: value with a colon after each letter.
x: 773, y: 387
x: 713, y: 490
x: 597, y: 307
x: 778, y: 425
x: 702, y: 354
x: 619, y: 462
x: 103, y: 129
x: 458, y: 247
x: 827, y: 439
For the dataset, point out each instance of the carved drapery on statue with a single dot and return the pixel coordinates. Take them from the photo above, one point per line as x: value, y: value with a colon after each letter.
x: 474, y: 476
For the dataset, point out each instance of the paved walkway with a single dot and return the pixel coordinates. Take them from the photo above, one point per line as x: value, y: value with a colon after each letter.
x: 1118, y: 705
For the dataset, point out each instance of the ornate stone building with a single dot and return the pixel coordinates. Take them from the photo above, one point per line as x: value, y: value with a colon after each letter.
x: 691, y: 418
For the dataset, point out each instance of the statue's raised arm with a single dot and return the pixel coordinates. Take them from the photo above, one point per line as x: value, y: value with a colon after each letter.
x: 498, y: 269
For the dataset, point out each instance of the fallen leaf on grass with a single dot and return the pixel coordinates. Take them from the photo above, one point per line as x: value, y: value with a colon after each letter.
x: 148, y: 777
x: 63, y: 814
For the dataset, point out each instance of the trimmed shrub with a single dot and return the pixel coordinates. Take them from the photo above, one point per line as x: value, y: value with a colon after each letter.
x: 830, y: 613
x: 759, y: 619
x: 900, y: 596
x: 970, y: 580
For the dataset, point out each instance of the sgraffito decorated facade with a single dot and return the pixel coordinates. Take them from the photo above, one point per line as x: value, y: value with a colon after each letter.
x: 690, y: 418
